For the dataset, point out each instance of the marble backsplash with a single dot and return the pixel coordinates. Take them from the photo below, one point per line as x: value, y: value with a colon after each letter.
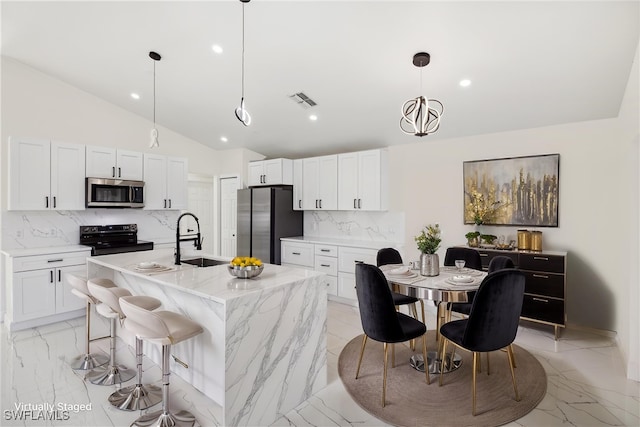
x: 357, y: 225
x: 36, y: 229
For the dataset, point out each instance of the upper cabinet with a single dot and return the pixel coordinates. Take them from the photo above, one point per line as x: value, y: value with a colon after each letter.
x: 107, y: 162
x: 297, y: 184
x: 320, y: 183
x: 271, y: 172
x: 363, y: 180
x: 45, y: 175
x: 165, y: 182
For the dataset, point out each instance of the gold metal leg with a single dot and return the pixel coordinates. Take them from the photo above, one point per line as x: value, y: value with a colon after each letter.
x: 444, y: 352
x: 393, y: 355
x: 555, y: 332
x: 364, y: 342
x: 384, y: 377
x: 473, y: 385
x: 513, y: 376
x: 424, y: 357
x: 422, y: 308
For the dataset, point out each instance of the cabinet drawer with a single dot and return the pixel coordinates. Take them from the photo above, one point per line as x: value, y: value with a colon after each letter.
x: 347, y: 286
x: 541, y: 262
x: 327, y: 250
x: 487, y: 256
x: 347, y: 258
x: 326, y: 264
x: 38, y: 262
x: 544, y: 309
x: 545, y: 284
x: 332, y: 285
x: 297, y: 254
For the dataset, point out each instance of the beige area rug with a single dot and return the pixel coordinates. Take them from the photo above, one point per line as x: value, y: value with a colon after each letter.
x: 411, y: 402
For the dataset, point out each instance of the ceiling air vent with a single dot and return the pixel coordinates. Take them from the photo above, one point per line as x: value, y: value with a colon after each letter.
x: 303, y: 100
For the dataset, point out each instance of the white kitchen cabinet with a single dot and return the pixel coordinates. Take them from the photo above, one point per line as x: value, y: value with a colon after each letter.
x: 347, y: 259
x: 363, y: 180
x: 165, y: 182
x: 46, y: 175
x: 39, y: 290
x: 320, y: 183
x: 271, y: 172
x: 297, y: 184
x: 108, y: 162
x: 311, y: 257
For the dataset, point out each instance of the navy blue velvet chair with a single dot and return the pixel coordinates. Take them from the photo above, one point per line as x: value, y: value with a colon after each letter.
x: 499, y: 262
x: 387, y: 256
x: 380, y: 320
x: 492, y: 323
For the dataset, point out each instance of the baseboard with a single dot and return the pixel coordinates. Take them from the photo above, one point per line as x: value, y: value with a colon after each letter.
x: 26, y: 324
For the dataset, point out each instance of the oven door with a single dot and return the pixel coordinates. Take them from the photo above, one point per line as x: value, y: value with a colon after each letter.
x: 114, y: 193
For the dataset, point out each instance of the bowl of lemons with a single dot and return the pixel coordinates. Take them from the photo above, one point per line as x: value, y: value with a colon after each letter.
x: 245, y: 267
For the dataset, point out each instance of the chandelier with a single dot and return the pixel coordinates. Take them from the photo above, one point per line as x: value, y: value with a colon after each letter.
x: 421, y: 115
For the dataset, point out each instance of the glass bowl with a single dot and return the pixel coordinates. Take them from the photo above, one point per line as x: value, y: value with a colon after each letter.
x: 248, y: 272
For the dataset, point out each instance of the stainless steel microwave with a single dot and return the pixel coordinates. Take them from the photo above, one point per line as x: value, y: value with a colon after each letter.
x: 114, y: 193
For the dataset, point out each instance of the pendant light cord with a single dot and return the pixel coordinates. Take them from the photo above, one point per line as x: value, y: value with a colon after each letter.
x: 242, y: 51
x: 154, y: 93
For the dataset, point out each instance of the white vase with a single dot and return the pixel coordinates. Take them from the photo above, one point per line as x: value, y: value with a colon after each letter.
x: 429, y: 265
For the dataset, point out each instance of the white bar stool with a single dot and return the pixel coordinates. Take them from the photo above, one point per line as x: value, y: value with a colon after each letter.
x: 88, y: 360
x: 105, y: 291
x: 164, y: 328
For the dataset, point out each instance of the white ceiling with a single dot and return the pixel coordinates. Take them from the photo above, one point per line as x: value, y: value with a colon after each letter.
x: 531, y: 64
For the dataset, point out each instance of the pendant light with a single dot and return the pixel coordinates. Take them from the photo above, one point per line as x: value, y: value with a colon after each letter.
x: 418, y: 117
x: 241, y: 112
x: 154, y: 132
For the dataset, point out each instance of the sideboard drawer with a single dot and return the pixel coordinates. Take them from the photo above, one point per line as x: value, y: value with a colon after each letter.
x: 540, y: 262
x: 486, y: 257
x: 547, y: 284
x: 543, y: 309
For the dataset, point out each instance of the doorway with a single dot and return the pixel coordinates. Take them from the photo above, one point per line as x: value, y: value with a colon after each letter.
x: 229, y: 186
x: 200, y: 203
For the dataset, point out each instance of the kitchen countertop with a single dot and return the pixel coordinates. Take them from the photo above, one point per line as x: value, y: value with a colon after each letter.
x: 342, y: 242
x: 20, y: 252
x: 214, y: 283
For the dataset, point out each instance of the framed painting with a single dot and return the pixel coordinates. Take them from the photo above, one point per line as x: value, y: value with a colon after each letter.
x: 512, y: 191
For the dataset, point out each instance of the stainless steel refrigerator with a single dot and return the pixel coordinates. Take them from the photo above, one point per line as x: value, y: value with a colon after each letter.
x: 265, y: 214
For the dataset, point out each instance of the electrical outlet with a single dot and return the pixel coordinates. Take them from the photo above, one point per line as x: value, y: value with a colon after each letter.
x: 53, y: 232
x: 19, y: 234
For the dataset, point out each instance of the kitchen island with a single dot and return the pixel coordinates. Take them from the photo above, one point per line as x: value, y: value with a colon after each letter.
x: 263, y: 350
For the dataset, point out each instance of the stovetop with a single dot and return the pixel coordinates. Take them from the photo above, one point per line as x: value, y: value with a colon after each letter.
x: 113, y: 239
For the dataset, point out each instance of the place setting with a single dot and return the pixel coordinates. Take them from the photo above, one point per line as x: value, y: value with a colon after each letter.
x: 151, y: 267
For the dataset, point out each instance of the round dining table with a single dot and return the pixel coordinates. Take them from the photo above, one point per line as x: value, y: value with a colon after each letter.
x: 450, y: 285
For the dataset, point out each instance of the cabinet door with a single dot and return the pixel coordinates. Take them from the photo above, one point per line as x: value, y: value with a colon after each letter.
x: 100, y: 162
x: 348, y: 181
x: 129, y: 165
x: 65, y: 300
x: 347, y: 286
x: 370, y: 188
x: 67, y: 176
x: 155, y: 181
x: 310, y: 174
x: 328, y: 183
x: 273, y: 172
x: 256, y: 172
x: 29, y: 174
x: 177, y: 176
x: 34, y: 294
x: 297, y: 184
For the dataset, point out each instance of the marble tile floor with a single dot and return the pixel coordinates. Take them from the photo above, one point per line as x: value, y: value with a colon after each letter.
x: 586, y: 381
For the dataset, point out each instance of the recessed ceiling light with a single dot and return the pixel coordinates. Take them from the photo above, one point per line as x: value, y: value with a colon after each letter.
x: 217, y: 48
x: 313, y: 117
x: 135, y: 95
x: 465, y: 82
x: 224, y: 139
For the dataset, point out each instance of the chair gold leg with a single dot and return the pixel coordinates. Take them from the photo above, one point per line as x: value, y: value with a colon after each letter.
x: 513, y: 376
x: 393, y: 355
x: 412, y: 343
x: 473, y: 383
x: 364, y: 342
x: 444, y: 351
x: 422, y: 309
x: 424, y: 357
x: 384, y: 377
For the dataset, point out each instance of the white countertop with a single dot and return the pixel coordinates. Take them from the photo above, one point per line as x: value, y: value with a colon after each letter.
x: 214, y: 283
x: 20, y: 252
x: 342, y: 242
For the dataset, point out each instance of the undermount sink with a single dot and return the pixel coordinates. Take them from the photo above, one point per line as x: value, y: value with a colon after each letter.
x: 203, y: 262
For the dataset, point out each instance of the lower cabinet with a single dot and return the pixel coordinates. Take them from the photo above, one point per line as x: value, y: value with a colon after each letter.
x: 39, y: 290
x: 337, y: 262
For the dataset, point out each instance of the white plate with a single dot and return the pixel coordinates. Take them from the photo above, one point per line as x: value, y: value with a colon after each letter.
x: 399, y: 271
x: 462, y: 279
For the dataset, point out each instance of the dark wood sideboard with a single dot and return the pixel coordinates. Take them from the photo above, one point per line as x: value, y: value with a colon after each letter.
x: 545, y: 286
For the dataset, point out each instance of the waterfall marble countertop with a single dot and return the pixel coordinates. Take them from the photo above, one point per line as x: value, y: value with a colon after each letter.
x: 215, y: 283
